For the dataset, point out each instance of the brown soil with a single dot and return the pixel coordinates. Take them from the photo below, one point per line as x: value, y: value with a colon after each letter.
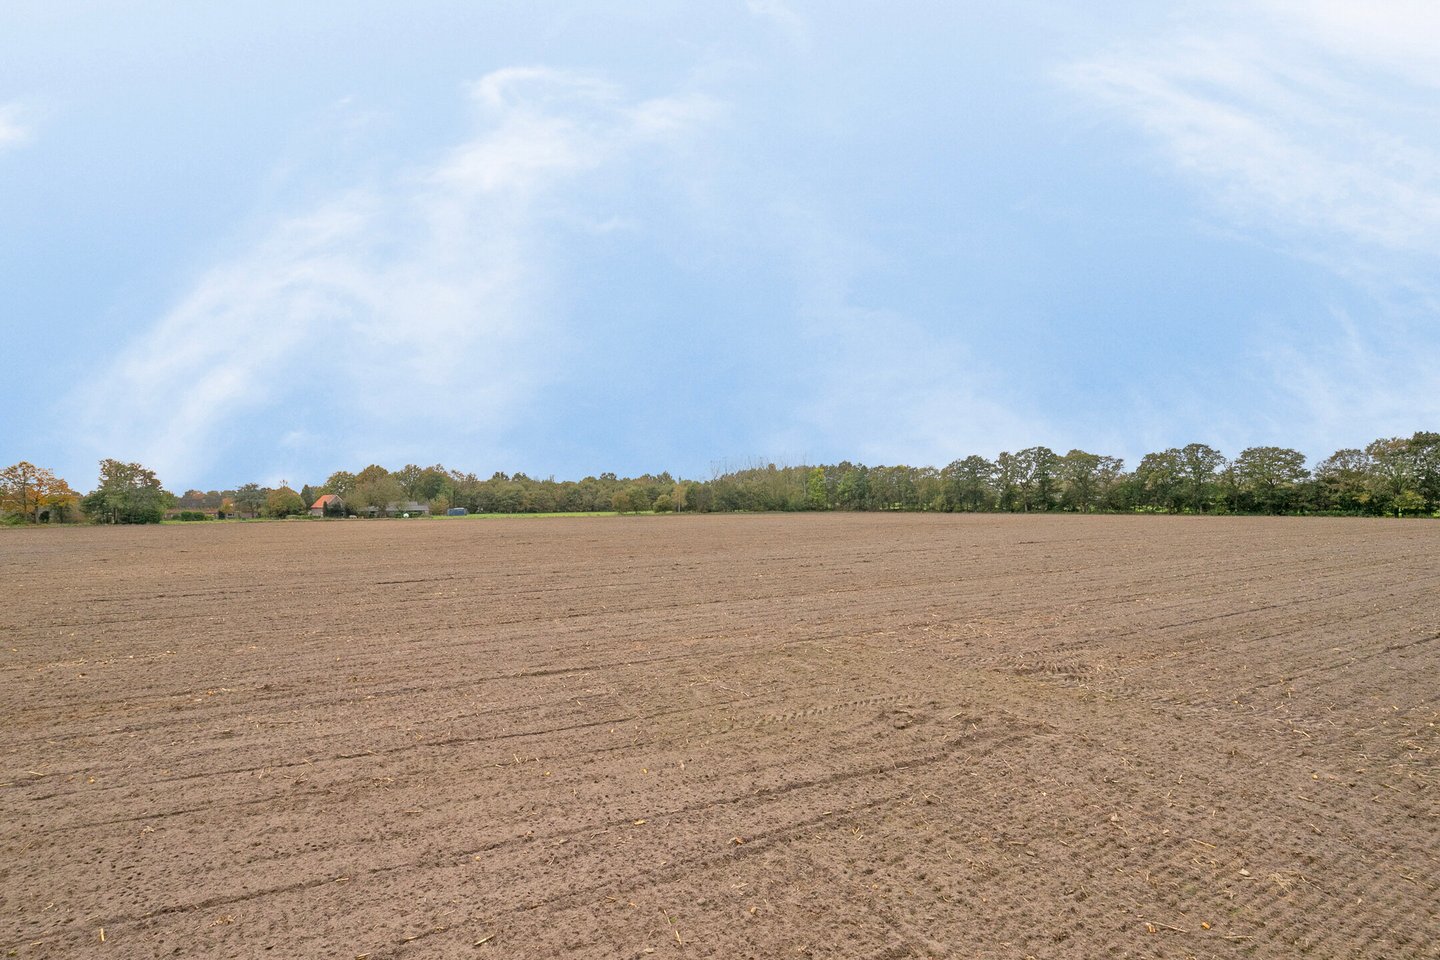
x: 826, y: 735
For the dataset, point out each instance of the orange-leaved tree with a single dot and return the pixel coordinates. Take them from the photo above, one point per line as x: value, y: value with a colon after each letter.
x: 26, y: 490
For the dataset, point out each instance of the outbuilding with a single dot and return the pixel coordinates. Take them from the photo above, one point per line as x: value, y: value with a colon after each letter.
x: 329, y: 505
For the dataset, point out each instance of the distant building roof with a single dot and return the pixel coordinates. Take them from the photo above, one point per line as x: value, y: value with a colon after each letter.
x: 327, y: 500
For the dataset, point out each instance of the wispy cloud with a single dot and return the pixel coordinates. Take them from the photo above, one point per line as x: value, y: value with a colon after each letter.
x: 884, y: 390
x: 783, y: 16
x: 1284, y: 143
x: 14, y: 130
x: 1346, y: 379
x: 1312, y: 127
x: 1398, y: 36
x: 424, y: 295
x: 878, y: 385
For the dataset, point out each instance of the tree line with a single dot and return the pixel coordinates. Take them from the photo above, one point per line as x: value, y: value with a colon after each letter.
x: 1396, y: 476
x: 1389, y: 477
x: 439, y: 489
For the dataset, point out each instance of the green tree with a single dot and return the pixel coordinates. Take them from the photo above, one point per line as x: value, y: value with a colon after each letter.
x: 376, y: 493
x: 409, y: 476
x: 1038, y: 477
x: 1409, y: 501
x: 663, y: 504
x: 1109, y: 476
x: 1008, y: 472
x: 127, y: 493
x: 853, y: 491
x: 1160, y: 480
x: 1270, y: 478
x: 371, y: 474
x: 816, y: 496
x: 1197, y: 466
x: 629, y: 500
x: 250, y: 499
x: 1343, y: 481
x: 1424, y: 448
x: 1080, y: 480
x: 929, y: 486
x: 283, y: 502
x: 341, y: 483
x: 968, y: 483
x: 1392, y: 471
x: 699, y: 498
x: 435, y: 482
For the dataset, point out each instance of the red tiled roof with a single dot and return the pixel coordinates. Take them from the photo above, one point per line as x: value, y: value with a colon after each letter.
x: 324, y: 502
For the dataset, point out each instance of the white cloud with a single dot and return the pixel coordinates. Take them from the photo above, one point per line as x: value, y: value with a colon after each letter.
x: 1311, y: 125
x: 1401, y: 36
x: 784, y: 17
x: 1282, y: 142
x: 14, y: 131
x: 424, y: 295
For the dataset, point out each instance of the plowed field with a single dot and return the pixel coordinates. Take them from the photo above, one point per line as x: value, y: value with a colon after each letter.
x: 772, y: 736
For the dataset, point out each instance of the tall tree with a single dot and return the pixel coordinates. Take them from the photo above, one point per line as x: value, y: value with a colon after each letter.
x: 432, y: 482
x: 1392, y: 471
x: 1108, y: 476
x: 1008, y: 475
x: 379, y: 493
x: 340, y: 483
x: 1343, y: 481
x: 969, y: 483
x: 1270, y: 477
x: 1425, y: 458
x: 58, y: 501
x: 1198, y: 465
x: 371, y: 474
x: 853, y: 491
x: 250, y: 499
x: 127, y: 493
x: 20, y: 486
x: 817, y: 497
x: 1039, y: 474
x: 1159, y: 477
x: 1078, y: 471
x: 27, y: 491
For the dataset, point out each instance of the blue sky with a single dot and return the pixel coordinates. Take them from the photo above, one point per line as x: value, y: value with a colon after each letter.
x: 565, y: 238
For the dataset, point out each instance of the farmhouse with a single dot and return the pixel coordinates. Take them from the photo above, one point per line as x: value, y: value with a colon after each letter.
x: 329, y: 505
